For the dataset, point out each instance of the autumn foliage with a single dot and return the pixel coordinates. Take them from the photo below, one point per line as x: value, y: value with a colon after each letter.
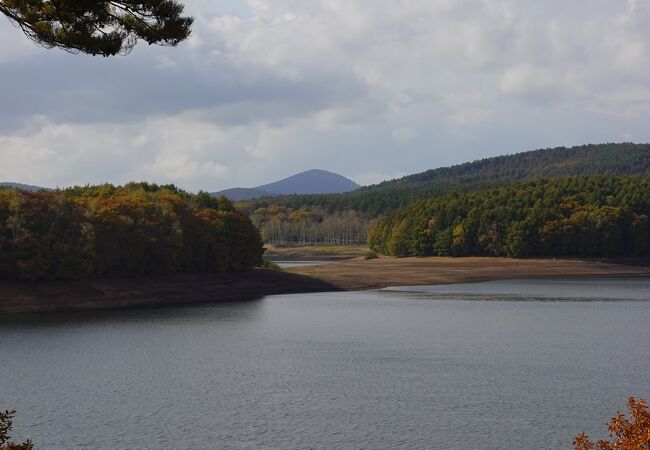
x: 135, y: 230
x: 627, y: 434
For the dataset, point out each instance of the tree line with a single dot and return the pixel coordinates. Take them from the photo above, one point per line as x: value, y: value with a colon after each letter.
x: 373, y: 201
x: 135, y: 230
x: 571, y: 216
x: 310, y: 226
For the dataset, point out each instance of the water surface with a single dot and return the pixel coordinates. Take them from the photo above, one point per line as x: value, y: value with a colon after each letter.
x: 523, y: 364
x: 288, y: 264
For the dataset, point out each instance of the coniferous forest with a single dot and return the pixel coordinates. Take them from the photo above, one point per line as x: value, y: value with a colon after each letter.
x: 135, y: 230
x: 596, y: 216
x: 379, y: 199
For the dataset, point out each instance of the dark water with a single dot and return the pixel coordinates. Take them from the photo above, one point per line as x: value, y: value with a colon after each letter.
x: 436, y: 367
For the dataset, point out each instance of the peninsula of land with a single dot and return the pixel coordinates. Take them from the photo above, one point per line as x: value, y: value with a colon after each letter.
x: 361, y: 274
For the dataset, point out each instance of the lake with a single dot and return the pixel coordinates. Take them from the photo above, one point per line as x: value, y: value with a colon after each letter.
x: 511, y: 364
x: 289, y: 264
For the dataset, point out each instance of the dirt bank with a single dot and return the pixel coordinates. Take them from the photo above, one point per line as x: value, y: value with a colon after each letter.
x: 47, y: 296
x: 354, y: 274
x: 357, y: 274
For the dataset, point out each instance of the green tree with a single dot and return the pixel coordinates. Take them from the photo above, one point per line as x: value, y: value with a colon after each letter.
x: 443, y: 242
x: 400, y: 242
x: 99, y: 27
x: 520, y: 239
x: 574, y: 216
x: 6, y: 422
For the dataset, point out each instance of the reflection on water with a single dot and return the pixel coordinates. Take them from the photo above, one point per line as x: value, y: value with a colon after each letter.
x: 288, y: 264
x: 574, y: 289
x: 226, y: 312
x: 370, y: 369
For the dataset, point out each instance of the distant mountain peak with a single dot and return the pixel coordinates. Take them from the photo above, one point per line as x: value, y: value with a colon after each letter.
x: 313, y: 181
x: 21, y: 186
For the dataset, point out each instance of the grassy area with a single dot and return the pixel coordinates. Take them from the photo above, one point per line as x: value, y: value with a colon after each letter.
x: 317, y: 251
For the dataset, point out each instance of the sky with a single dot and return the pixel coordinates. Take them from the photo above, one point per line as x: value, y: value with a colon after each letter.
x: 370, y: 89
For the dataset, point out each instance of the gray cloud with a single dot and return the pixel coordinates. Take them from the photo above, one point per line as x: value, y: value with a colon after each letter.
x: 267, y: 88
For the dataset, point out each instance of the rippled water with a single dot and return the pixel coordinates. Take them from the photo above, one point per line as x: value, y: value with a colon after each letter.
x: 427, y: 367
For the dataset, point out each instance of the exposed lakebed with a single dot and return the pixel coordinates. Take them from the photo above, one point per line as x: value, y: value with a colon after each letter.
x: 509, y: 364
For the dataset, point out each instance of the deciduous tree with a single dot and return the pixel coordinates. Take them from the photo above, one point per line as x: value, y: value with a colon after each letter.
x: 627, y: 434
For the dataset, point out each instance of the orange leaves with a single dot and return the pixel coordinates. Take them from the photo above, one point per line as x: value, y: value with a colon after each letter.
x: 628, y: 434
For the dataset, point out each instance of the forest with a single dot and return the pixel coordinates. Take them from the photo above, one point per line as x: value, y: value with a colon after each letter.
x: 310, y: 226
x: 592, y: 216
x: 346, y: 218
x: 134, y: 230
x: 377, y: 200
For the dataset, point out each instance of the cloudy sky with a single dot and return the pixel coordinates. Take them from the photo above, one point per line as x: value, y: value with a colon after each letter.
x: 370, y: 89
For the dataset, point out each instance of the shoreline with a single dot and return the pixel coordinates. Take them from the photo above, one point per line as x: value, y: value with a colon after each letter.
x: 359, y: 274
x: 343, y: 275
x: 172, y: 290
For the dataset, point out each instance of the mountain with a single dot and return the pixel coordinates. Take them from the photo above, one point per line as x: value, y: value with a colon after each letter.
x: 24, y: 187
x: 379, y: 199
x: 313, y: 181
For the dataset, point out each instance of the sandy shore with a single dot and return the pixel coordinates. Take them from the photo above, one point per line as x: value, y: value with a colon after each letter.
x: 353, y: 274
x: 109, y: 293
x: 358, y: 274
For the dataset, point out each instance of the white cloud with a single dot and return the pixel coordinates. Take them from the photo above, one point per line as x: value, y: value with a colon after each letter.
x: 267, y: 88
x: 541, y: 85
x: 404, y: 135
x: 182, y: 168
x: 368, y: 178
x: 165, y: 150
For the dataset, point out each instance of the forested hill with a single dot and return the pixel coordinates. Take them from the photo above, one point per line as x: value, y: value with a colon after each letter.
x: 575, y: 216
x: 22, y: 187
x: 135, y: 230
x: 602, y: 159
x: 315, y: 181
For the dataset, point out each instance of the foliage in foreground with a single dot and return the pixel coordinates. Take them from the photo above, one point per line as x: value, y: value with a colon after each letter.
x: 627, y: 434
x: 139, y: 229
x: 578, y: 216
x: 99, y: 27
x: 6, y: 422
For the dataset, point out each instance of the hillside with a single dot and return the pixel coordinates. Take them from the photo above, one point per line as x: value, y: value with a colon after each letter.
x: 594, y: 216
x: 22, y: 187
x: 603, y: 159
x: 315, y: 181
